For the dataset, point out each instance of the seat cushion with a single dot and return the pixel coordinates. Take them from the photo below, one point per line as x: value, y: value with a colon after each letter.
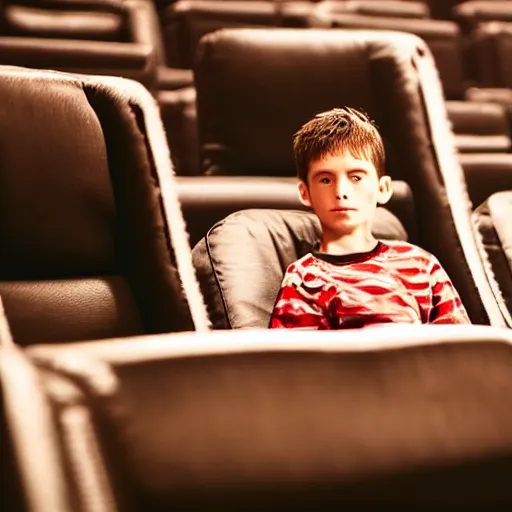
x: 492, y: 219
x: 241, y: 262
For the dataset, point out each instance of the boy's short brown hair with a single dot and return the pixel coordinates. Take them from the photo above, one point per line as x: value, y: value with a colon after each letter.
x: 338, y: 130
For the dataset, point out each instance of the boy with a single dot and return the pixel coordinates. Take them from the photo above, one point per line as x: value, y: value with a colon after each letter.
x: 354, y: 280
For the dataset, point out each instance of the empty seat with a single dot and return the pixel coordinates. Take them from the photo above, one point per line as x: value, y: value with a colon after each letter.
x: 258, y: 420
x: 470, y: 13
x: 93, y: 240
x: 247, y: 115
x: 445, y: 42
x: 442, y: 37
x: 490, y: 54
x: 105, y: 37
x: 185, y: 22
x: 133, y: 58
x: 492, y: 220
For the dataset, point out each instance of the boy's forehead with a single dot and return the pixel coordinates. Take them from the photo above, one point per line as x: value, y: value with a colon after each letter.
x: 342, y: 160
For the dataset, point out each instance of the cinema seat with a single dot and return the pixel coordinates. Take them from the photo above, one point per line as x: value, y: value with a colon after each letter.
x: 490, y: 54
x: 470, y: 14
x: 93, y: 239
x: 394, y: 418
x: 247, y: 115
x: 104, y: 37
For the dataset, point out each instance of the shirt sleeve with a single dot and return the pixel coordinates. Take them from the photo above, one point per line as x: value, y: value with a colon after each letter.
x: 298, y: 306
x: 447, y: 308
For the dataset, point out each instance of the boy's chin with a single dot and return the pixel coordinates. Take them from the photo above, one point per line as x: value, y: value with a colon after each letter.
x: 343, y: 229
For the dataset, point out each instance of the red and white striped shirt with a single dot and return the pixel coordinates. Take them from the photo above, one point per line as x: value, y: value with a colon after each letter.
x: 396, y: 282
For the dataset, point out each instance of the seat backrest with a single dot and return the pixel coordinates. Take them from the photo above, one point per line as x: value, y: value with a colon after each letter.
x: 490, y: 54
x: 492, y: 219
x: 442, y: 37
x: 185, y: 22
x: 247, y: 115
x: 398, y: 418
x: 93, y: 240
x: 470, y: 13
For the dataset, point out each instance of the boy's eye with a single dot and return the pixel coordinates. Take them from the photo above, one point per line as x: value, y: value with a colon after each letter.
x: 325, y: 180
x: 356, y: 178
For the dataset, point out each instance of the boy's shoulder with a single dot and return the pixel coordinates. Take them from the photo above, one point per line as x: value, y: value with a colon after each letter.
x: 404, y: 250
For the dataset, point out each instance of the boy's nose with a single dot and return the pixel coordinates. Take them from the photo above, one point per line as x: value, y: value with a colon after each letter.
x: 342, y: 189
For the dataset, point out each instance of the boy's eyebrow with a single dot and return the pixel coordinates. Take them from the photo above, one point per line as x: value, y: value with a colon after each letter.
x: 332, y: 171
x: 322, y: 171
x: 358, y: 169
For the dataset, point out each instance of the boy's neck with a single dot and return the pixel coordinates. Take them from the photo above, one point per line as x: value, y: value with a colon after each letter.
x: 352, y: 243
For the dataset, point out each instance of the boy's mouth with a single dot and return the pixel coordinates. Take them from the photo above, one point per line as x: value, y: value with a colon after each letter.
x: 343, y: 209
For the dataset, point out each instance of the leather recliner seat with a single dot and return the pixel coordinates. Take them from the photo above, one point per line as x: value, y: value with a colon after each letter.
x: 93, y: 239
x: 247, y: 116
x: 252, y: 420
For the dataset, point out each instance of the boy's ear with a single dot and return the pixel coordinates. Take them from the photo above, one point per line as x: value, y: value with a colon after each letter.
x: 303, y: 191
x: 385, y: 190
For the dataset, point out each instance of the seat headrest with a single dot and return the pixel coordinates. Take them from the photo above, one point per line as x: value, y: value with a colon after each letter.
x: 241, y: 262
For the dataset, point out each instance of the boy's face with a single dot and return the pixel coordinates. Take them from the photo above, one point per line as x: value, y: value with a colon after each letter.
x: 344, y: 192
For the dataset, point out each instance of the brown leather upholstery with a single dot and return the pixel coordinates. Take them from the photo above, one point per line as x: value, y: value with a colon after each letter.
x: 247, y: 115
x: 21, y: 20
x: 241, y: 261
x: 479, y: 127
x: 206, y: 200
x: 107, y: 37
x: 442, y: 37
x: 258, y: 420
x: 492, y: 219
x: 470, y: 13
x: 490, y: 54
x: 86, y: 251
x: 185, y: 22
x: 178, y: 111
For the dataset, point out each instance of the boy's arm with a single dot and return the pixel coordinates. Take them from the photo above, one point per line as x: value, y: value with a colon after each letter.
x: 447, y: 307
x: 297, y: 308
